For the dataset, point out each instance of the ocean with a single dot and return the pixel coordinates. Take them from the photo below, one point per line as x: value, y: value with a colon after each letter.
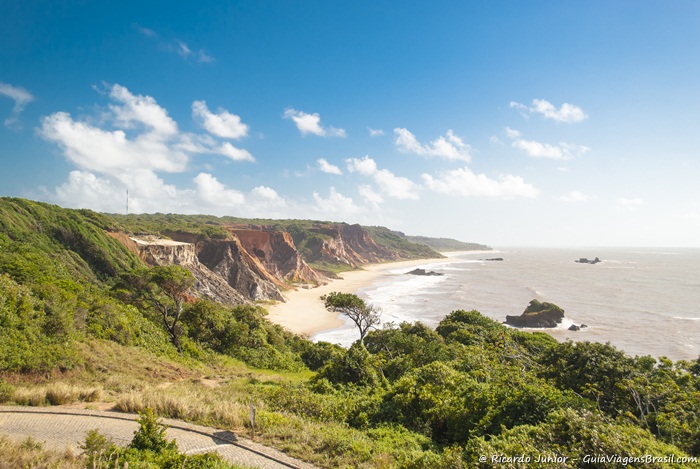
x: 642, y: 301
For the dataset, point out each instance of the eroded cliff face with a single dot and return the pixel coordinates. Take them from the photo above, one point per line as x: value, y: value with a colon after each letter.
x: 241, y: 271
x: 348, y: 244
x: 156, y: 251
x: 256, y: 262
x: 275, y: 250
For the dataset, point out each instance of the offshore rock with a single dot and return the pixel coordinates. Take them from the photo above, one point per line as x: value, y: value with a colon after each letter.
x: 584, y: 260
x: 423, y: 272
x: 542, y: 315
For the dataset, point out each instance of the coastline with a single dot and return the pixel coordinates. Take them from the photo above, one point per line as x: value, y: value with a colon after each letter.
x: 303, y: 312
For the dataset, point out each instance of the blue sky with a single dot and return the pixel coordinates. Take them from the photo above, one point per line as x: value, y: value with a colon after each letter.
x: 509, y: 123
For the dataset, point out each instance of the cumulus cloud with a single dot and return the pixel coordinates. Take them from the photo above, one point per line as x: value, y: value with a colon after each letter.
x: 328, y: 168
x: 463, y: 182
x: 133, y: 143
x: 222, y: 124
x: 535, y: 149
x: 393, y: 186
x: 21, y: 98
x: 147, y: 193
x: 370, y: 195
x: 567, y: 113
x: 234, y: 153
x: 575, y: 197
x: 142, y: 137
x: 335, y: 204
x: 311, y: 124
x: 375, y: 132
x: 450, y: 147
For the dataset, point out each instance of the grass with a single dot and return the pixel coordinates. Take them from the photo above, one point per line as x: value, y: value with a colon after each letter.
x: 214, y: 394
x: 30, y: 454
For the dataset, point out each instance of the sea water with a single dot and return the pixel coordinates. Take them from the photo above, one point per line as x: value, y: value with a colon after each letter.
x: 643, y: 301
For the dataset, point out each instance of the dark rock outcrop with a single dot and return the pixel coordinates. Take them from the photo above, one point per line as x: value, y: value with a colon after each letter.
x: 543, y: 315
x: 424, y: 273
x: 584, y: 260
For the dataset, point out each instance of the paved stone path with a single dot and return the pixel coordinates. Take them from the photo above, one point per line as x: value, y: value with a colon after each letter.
x: 66, y: 428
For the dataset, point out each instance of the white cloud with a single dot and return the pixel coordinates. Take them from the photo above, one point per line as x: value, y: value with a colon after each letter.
x: 567, y: 113
x: 143, y: 137
x: 336, y: 204
x: 107, y: 151
x: 147, y: 193
x: 326, y: 167
x: 214, y: 194
x: 463, y: 182
x: 145, y: 31
x: 222, y: 124
x: 140, y: 110
x: 450, y: 147
x: 175, y: 45
x: 185, y: 52
x: 535, y: 149
x: 370, y: 195
x: 393, y: 186
x: 575, y: 196
x: 311, y: 124
x: 236, y: 154
x: 375, y: 132
x: 629, y: 204
x: 20, y: 96
x: 267, y: 195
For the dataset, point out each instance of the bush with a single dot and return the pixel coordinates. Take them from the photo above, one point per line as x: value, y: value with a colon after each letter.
x: 6, y: 391
x: 151, y: 434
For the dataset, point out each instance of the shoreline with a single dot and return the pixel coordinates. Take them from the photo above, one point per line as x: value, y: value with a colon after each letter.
x: 303, y: 312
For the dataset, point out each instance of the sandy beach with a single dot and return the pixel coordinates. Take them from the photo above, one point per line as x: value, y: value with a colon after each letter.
x: 303, y: 312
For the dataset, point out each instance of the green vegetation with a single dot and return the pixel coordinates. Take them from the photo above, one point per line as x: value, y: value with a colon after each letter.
x: 363, y: 315
x: 78, y: 323
x: 447, y: 244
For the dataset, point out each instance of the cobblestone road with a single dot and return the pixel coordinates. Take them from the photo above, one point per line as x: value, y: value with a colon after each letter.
x: 62, y: 428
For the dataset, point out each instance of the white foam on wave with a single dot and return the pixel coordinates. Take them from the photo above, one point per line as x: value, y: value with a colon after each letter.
x: 398, y: 300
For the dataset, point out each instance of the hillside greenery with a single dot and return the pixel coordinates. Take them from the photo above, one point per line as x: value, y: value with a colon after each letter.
x: 407, y: 396
x: 447, y: 244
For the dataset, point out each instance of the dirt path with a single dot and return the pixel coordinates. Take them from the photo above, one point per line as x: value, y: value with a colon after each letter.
x: 66, y: 428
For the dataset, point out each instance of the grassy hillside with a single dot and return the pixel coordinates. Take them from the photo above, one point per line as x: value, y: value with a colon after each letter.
x: 75, y: 326
x: 447, y: 244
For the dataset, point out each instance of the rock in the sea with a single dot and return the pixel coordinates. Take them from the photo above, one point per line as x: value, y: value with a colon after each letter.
x: 574, y: 327
x: 537, y: 315
x: 585, y: 260
x: 493, y: 259
x: 423, y: 272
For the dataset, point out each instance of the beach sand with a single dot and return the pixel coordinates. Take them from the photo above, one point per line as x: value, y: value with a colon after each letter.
x: 303, y: 312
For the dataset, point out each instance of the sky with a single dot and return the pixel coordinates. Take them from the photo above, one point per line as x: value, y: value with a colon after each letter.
x: 508, y: 123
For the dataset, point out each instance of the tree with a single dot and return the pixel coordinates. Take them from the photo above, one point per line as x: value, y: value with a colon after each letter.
x: 363, y: 315
x: 165, y: 288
